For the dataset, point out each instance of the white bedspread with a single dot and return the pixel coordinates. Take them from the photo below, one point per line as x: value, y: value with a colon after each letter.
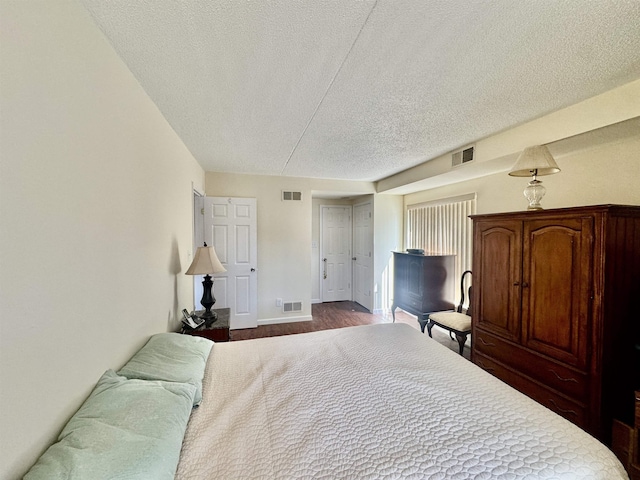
x: 370, y: 402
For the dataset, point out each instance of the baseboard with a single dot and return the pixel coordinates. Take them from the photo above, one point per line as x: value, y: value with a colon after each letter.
x: 316, y: 300
x: 272, y: 321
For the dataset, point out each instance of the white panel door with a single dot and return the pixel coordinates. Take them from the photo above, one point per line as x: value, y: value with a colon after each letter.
x: 335, y: 253
x: 230, y: 226
x: 362, y: 255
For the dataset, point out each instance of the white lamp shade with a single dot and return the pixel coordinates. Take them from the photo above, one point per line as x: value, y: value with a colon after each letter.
x: 205, y: 262
x: 536, y: 160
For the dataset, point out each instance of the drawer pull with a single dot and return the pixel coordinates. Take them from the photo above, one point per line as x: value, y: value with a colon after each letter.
x: 563, y: 379
x: 562, y: 410
x: 484, y: 367
x: 487, y: 344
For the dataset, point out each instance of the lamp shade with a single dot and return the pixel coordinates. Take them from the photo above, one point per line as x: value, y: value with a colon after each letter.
x: 536, y: 160
x: 205, y: 262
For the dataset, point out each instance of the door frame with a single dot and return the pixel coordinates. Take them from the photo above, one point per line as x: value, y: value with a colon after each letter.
x: 198, y: 235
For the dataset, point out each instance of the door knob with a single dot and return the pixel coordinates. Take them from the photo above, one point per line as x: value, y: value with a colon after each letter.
x: 253, y: 269
x: 353, y: 258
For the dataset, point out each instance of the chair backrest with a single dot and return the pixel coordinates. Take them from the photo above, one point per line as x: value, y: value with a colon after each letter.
x: 462, y: 293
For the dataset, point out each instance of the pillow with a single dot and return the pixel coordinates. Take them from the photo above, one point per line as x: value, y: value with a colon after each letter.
x: 129, y: 429
x: 172, y: 357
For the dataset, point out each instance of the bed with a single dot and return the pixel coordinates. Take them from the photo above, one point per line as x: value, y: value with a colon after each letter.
x: 371, y: 402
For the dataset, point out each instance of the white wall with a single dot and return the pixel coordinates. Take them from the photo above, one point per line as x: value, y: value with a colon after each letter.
x: 96, y: 216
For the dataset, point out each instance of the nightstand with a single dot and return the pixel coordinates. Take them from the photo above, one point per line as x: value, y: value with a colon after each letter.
x: 218, y: 331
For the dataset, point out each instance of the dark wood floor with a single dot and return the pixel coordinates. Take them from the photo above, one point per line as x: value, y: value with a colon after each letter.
x: 338, y: 315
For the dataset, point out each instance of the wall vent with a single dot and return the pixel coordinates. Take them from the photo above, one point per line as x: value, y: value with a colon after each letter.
x: 462, y: 156
x: 291, y: 307
x: 295, y: 196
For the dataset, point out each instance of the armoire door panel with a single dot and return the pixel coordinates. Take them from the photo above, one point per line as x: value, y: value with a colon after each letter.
x: 497, y: 267
x: 556, y: 288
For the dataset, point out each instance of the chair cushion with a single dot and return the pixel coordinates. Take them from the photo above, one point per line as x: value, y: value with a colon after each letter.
x: 452, y: 320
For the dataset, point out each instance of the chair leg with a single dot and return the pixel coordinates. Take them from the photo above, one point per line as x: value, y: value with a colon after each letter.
x: 462, y: 338
x: 430, y: 325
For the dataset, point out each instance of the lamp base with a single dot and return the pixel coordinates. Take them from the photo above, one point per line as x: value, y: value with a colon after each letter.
x: 534, y: 193
x: 207, y: 301
x: 209, y: 317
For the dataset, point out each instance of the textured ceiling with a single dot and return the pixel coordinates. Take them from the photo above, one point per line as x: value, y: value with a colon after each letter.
x: 363, y: 89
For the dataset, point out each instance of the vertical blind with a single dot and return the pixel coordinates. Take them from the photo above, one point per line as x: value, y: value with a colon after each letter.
x: 443, y: 228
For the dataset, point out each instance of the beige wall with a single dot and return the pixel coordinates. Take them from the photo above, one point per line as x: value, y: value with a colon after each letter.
x: 607, y: 172
x: 285, y: 234
x: 96, y: 215
x: 388, y: 234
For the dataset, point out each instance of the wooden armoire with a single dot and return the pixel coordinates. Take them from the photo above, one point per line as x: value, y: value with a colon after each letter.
x: 556, y: 313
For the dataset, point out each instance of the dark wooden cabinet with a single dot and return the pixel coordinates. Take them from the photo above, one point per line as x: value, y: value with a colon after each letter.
x: 555, y: 308
x: 423, y: 284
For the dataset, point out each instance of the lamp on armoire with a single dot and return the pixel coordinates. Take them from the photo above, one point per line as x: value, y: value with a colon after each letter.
x: 205, y: 263
x: 534, y: 162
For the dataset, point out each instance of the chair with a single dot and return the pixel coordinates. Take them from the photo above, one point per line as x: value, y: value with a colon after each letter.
x: 456, y: 322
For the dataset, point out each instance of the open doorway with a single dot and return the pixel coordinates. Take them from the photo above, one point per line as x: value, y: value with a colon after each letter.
x: 360, y: 260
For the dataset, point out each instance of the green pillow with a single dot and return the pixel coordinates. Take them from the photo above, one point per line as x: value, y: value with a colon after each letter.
x: 129, y: 429
x: 171, y: 357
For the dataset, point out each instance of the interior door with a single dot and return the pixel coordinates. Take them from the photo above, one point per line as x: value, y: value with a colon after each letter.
x: 362, y: 255
x: 335, y: 265
x: 230, y: 226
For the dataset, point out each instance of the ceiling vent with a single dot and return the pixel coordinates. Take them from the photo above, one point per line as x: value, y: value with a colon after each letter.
x: 292, y: 307
x: 462, y: 156
x: 294, y: 196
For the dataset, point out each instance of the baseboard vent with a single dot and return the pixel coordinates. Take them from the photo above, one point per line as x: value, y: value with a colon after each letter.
x: 291, y: 307
x: 462, y: 156
x: 295, y: 196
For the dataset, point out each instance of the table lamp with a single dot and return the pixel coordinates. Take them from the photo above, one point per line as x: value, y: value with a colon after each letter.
x: 533, y: 162
x: 205, y: 263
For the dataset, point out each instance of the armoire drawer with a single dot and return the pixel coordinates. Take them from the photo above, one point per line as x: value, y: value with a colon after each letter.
x: 552, y: 374
x: 572, y: 411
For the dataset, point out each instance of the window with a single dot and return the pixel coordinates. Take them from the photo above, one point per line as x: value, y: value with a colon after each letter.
x: 443, y: 228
